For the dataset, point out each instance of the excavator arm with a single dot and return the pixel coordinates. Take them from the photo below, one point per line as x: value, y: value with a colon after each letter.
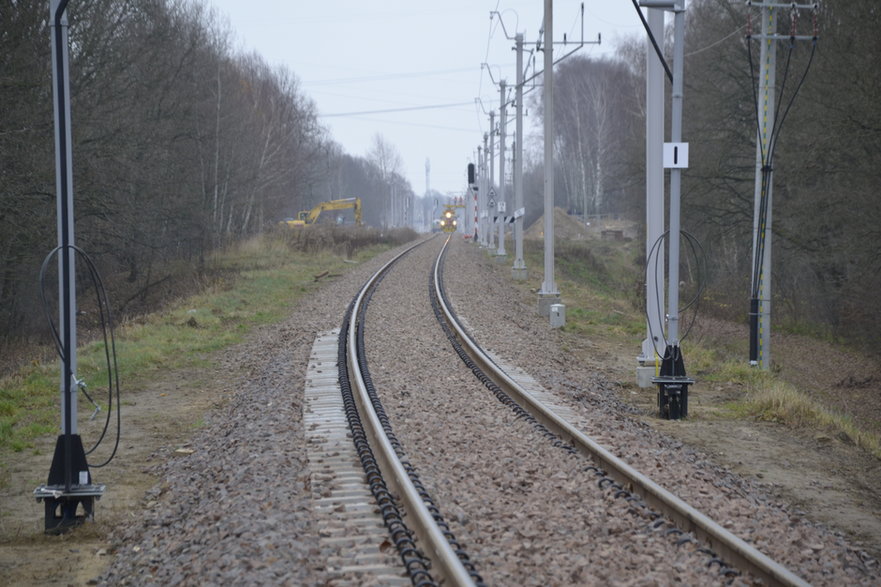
x: 311, y: 216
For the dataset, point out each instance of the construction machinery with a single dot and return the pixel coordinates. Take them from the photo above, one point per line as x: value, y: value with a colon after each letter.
x: 307, y: 217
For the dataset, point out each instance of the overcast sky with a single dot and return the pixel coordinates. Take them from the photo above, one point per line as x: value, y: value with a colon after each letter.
x: 356, y: 58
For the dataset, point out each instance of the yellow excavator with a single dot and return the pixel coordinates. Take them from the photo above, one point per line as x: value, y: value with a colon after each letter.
x: 308, y: 217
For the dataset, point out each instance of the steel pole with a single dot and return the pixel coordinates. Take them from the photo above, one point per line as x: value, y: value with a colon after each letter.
x: 492, y: 178
x: 518, y: 271
x: 484, y: 190
x: 479, y: 202
x: 503, y: 126
x: 69, y: 486
x: 760, y: 305
x: 549, y: 293
x: 675, y: 175
x: 64, y: 200
x: 654, y: 200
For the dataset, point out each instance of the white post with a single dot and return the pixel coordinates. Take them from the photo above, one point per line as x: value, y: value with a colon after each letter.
x: 654, y: 202
x: 675, y: 173
x: 492, y: 175
x: 484, y: 206
x: 549, y: 294
x: 518, y: 271
x: 500, y: 203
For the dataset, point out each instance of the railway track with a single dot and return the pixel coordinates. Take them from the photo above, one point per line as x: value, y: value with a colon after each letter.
x: 427, y: 546
x: 273, y: 490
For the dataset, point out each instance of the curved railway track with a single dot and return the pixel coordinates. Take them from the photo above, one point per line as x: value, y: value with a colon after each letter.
x: 426, y: 544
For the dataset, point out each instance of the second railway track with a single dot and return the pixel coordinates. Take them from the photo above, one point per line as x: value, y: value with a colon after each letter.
x: 516, y: 488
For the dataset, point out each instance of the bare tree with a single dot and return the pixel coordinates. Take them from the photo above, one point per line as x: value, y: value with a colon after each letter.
x: 596, y: 117
x: 388, y: 161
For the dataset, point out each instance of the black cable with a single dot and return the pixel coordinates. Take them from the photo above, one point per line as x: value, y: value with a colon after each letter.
x: 775, y: 128
x: 767, y: 156
x: 701, y: 279
x: 648, y: 30
x: 754, y: 83
x: 797, y: 88
x: 106, y: 321
x: 660, y: 310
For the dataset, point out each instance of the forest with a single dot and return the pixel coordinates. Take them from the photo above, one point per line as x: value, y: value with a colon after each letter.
x: 184, y: 146
x: 827, y: 166
x: 181, y: 147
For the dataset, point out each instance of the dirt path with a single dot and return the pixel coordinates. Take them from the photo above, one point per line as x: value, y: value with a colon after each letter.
x: 158, y: 422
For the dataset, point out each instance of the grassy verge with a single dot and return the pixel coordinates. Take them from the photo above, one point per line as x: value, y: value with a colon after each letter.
x: 256, y: 283
x: 768, y: 398
x: 600, y: 285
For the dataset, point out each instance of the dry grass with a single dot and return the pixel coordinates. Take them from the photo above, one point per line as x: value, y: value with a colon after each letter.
x: 770, y: 399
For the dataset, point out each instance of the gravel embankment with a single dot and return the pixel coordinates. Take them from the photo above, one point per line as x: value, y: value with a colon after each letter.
x: 237, y: 510
x: 518, y: 334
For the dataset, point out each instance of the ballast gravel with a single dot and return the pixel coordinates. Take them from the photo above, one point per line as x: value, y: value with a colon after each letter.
x: 238, y: 510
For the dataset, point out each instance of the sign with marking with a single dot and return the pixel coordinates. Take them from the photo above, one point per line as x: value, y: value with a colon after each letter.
x: 675, y: 155
x: 502, y: 206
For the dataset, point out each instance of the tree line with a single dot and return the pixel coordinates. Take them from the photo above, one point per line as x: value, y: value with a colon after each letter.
x: 827, y: 169
x: 181, y: 146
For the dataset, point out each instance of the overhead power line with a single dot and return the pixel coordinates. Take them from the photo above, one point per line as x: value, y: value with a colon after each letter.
x: 384, y: 77
x: 390, y: 110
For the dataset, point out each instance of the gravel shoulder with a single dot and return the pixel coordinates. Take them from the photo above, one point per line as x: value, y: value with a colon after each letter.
x: 788, y: 480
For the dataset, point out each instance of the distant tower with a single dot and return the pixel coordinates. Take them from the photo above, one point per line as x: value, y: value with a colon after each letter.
x: 427, y: 177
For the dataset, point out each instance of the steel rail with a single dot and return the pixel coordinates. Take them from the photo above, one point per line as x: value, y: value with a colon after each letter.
x: 729, y: 547
x: 436, y: 547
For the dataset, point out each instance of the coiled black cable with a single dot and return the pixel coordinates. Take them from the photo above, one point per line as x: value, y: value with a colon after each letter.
x: 701, y: 271
x: 106, y: 321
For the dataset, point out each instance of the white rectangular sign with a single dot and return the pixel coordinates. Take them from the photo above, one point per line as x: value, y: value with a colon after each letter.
x: 675, y: 155
x: 501, y: 206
